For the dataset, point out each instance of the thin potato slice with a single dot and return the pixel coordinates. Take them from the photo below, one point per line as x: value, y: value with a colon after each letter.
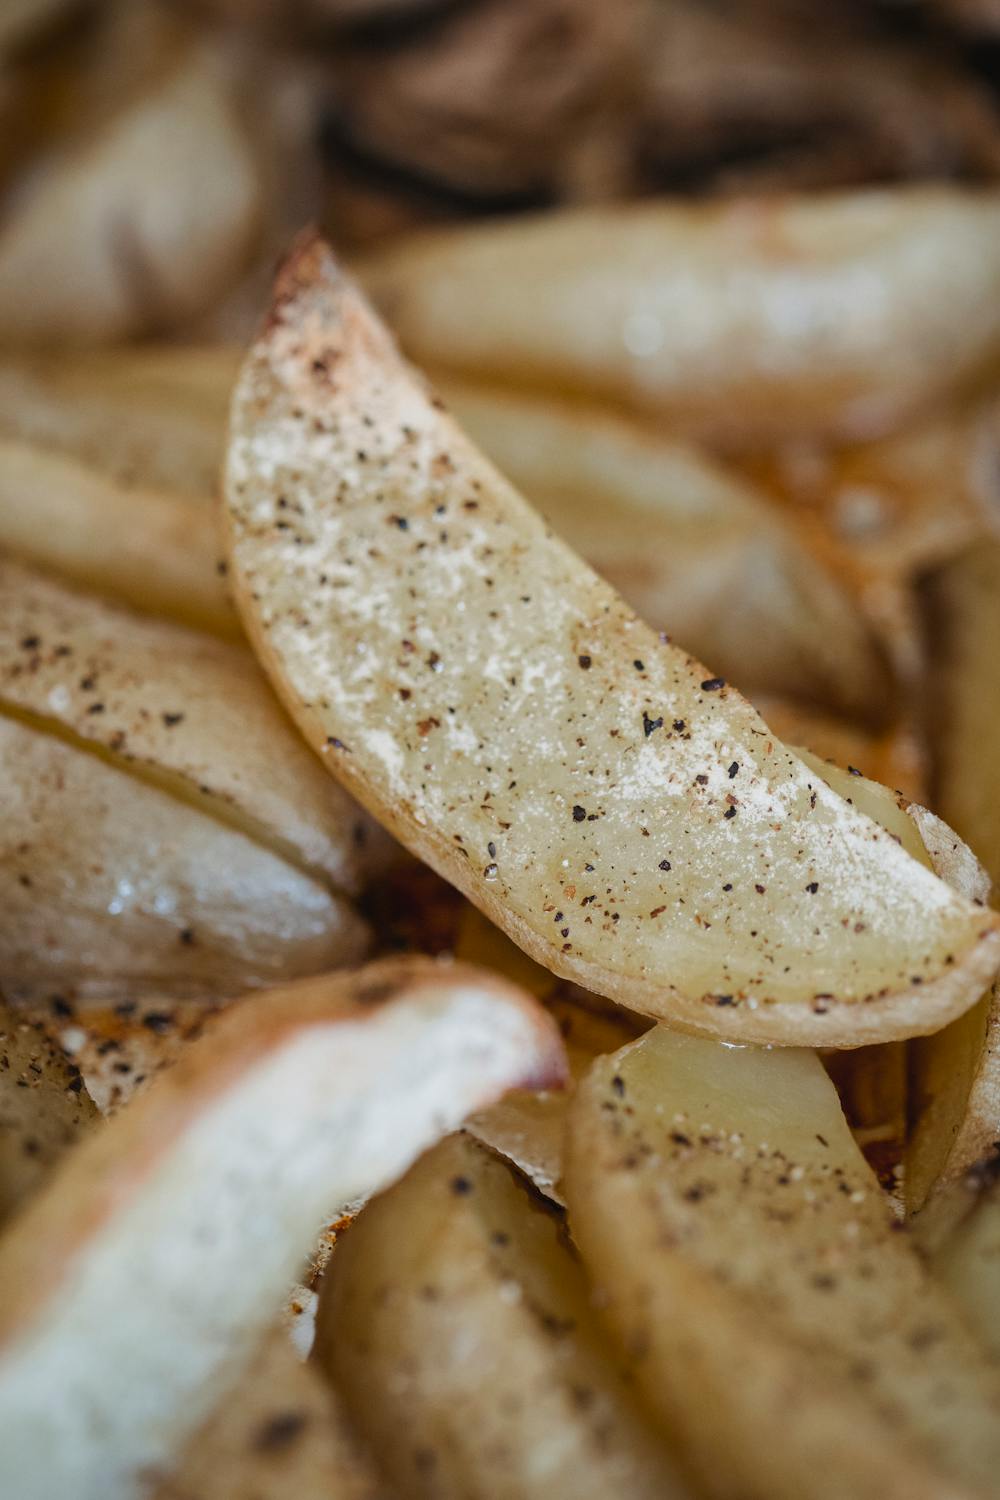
x: 162, y: 204
x: 110, y: 888
x: 690, y: 547
x: 186, y: 712
x: 754, y: 1279
x: 743, y: 322
x: 622, y: 814
x: 458, y: 1328
x: 136, y: 1285
x: 150, y: 549
x: 44, y: 1108
x: 279, y: 1435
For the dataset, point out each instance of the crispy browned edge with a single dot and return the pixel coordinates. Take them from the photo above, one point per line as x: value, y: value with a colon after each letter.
x: 311, y: 259
x: 103, y: 1175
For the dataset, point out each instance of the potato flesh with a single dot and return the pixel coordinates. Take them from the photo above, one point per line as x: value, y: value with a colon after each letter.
x: 280, y: 1435
x: 752, y: 1273
x: 110, y: 887
x: 458, y: 1329
x: 187, y: 712
x: 60, y: 514
x: 136, y: 437
x: 675, y: 533
x: 480, y: 689
x: 743, y: 322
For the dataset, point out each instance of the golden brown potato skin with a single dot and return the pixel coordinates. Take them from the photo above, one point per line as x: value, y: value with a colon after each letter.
x: 456, y: 1323
x: 615, y: 807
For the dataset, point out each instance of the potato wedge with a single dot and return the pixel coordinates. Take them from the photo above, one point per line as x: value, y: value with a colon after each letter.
x: 145, y: 438
x: 153, y: 550
x: 136, y: 1285
x: 185, y: 712
x: 163, y: 204
x: 689, y: 546
x: 620, y: 812
x: 279, y: 1435
x: 112, y: 888
x: 754, y: 1279
x: 966, y: 1258
x: 44, y: 1108
x: 743, y: 322
x: 457, y: 1326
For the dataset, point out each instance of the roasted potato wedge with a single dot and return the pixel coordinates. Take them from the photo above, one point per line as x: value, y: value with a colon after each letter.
x: 63, y: 514
x: 111, y: 888
x: 44, y: 1108
x: 144, y: 437
x: 135, y: 1286
x: 689, y: 546
x: 895, y: 758
x: 620, y: 812
x: 279, y: 1435
x: 750, y: 1270
x: 183, y: 711
x: 458, y: 1328
x: 966, y: 1255
x: 742, y: 322
x: 163, y: 203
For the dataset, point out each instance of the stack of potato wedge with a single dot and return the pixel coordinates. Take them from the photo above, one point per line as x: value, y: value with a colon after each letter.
x: 496, y: 946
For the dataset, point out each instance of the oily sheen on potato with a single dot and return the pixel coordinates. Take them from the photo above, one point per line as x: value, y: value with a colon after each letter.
x: 606, y: 799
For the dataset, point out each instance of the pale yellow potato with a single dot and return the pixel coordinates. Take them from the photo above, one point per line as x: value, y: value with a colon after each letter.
x: 184, y: 711
x: 192, y: 379
x: 136, y: 1285
x: 44, y: 1108
x: 751, y: 1271
x: 458, y: 1328
x: 743, y: 322
x: 617, y: 809
x: 111, y: 888
x: 690, y: 547
x: 140, y: 437
x: 140, y: 226
x: 967, y: 1258
x: 529, y: 1129
x: 281, y: 1434
x: 149, y: 548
